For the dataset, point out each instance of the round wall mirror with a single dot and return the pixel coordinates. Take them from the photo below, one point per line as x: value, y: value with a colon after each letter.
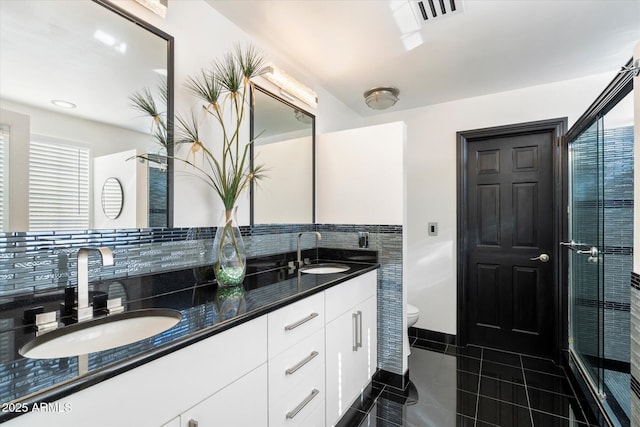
x: 112, y: 198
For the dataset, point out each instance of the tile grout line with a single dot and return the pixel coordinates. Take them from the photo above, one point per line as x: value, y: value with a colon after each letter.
x: 526, y: 390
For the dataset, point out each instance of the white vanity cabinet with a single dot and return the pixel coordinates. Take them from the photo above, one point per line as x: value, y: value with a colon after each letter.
x: 350, y: 342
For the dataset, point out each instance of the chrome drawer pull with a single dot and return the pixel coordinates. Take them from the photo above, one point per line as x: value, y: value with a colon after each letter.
x: 302, y: 404
x: 306, y: 360
x: 354, y: 323
x: 359, y: 317
x: 300, y: 322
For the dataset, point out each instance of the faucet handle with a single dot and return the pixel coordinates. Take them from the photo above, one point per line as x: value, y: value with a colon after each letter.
x: 115, y: 306
x: 84, y: 313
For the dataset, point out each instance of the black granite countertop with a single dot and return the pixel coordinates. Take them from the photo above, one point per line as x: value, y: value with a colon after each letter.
x: 206, y: 310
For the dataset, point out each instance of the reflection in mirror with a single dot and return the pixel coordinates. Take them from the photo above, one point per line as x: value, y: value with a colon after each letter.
x: 285, y: 144
x: 112, y: 198
x: 68, y: 70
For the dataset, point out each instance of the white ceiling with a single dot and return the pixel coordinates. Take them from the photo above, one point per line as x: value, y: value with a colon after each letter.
x: 349, y: 46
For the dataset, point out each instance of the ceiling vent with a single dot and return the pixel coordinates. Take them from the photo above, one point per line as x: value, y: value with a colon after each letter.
x: 434, y: 9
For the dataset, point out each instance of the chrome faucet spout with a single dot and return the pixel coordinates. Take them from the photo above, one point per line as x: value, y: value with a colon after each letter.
x: 84, y: 311
x: 299, y: 251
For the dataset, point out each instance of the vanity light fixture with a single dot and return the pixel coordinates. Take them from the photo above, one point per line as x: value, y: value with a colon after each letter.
x: 290, y: 86
x: 381, y: 98
x: 63, y: 104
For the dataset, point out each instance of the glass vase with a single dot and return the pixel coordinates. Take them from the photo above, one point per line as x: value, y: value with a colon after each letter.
x: 230, y: 257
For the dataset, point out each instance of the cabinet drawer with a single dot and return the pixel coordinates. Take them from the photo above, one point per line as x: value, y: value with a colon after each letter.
x: 221, y: 409
x: 297, y: 364
x: 291, y: 324
x: 292, y: 408
x: 345, y: 296
x: 315, y: 419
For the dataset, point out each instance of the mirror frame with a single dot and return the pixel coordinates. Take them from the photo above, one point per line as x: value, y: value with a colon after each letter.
x: 170, y: 95
x: 252, y: 135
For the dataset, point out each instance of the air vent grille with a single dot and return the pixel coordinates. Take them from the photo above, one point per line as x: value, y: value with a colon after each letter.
x: 433, y: 9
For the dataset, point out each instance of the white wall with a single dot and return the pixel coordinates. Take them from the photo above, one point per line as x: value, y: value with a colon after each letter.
x: 430, y: 262
x: 360, y: 175
x: 18, y: 171
x: 285, y: 196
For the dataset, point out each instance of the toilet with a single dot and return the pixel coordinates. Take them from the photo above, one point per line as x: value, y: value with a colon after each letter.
x: 412, y: 317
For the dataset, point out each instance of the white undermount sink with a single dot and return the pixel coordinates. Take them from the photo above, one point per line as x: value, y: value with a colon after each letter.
x: 324, y: 268
x: 101, y: 334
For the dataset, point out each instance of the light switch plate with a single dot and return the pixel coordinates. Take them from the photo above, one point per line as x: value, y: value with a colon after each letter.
x: 433, y: 229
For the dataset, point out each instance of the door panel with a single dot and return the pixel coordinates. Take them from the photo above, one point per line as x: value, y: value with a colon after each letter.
x: 525, y: 201
x: 488, y: 215
x: 509, y: 224
x: 488, y: 294
x: 525, y: 300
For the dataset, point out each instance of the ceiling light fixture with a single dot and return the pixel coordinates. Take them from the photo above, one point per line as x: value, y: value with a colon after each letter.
x: 109, y: 40
x: 63, y: 104
x: 381, y: 98
x: 290, y: 86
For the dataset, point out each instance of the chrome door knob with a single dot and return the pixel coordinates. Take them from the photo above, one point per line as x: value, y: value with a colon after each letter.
x: 541, y: 258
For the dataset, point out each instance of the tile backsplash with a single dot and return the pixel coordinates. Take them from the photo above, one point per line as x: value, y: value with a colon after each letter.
x: 39, y: 262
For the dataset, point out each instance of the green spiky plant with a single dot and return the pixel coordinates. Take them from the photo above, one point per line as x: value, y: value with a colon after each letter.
x: 225, y: 89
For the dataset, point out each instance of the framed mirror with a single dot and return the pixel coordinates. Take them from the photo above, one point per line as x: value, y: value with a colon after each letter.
x: 284, y: 142
x: 68, y: 71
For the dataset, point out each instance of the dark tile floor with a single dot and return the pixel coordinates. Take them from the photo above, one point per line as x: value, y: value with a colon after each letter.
x: 472, y: 386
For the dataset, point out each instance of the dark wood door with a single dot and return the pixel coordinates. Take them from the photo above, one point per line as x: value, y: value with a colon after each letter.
x: 510, y: 290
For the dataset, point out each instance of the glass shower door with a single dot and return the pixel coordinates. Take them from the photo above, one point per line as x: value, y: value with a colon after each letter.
x: 586, y: 233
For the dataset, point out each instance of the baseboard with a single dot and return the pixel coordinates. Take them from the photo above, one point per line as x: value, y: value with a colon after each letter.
x: 396, y: 381
x: 436, y: 336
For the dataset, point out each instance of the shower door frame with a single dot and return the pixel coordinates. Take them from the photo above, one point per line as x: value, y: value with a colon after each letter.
x: 615, y: 91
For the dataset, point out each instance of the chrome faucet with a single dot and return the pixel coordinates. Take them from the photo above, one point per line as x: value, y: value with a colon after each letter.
x: 300, y: 263
x: 84, y: 310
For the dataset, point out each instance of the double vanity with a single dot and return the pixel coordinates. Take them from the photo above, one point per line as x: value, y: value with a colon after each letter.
x: 287, y: 348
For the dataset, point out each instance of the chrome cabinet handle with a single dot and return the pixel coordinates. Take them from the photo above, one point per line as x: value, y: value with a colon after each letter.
x: 300, y: 322
x: 359, y: 336
x: 354, y: 324
x: 541, y: 258
x: 303, y: 362
x: 302, y: 404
